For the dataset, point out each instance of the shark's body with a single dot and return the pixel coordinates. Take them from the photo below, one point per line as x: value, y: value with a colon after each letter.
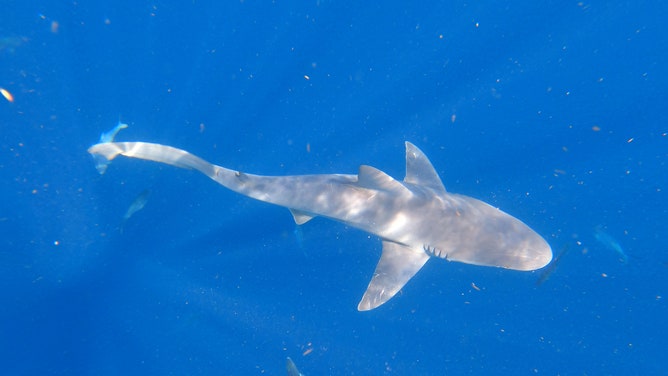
x: 416, y: 219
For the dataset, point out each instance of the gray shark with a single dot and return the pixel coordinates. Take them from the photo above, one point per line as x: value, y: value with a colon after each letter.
x: 416, y: 218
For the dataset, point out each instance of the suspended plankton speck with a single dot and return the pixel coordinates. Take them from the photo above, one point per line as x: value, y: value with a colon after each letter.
x: 8, y: 96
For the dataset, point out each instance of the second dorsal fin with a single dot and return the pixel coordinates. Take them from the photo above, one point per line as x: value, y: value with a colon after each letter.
x: 373, y: 178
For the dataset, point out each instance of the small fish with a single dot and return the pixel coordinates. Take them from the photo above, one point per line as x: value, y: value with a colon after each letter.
x: 11, y: 43
x: 137, y: 205
x: 610, y: 243
x: 100, y: 162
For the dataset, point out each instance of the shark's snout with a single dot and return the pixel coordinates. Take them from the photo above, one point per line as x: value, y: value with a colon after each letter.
x: 534, y: 254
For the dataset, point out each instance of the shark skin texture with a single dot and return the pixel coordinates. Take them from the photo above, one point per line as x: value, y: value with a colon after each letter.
x: 416, y: 218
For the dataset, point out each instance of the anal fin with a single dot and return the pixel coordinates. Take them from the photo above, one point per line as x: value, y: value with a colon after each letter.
x: 300, y: 216
x: 397, y: 265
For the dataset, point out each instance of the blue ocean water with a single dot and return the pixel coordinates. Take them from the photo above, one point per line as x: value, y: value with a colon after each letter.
x: 553, y: 111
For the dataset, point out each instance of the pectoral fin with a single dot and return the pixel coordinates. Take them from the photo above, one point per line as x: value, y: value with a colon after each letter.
x: 397, y: 265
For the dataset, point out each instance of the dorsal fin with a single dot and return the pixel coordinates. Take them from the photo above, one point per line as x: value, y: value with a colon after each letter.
x: 373, y: 178
x: 419, y: 170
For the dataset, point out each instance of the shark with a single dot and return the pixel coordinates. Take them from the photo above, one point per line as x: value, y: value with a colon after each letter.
x: 416, y: 219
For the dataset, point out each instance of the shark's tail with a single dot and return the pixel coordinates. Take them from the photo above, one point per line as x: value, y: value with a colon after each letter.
x: 153, y: 152
x: 234, y: 180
